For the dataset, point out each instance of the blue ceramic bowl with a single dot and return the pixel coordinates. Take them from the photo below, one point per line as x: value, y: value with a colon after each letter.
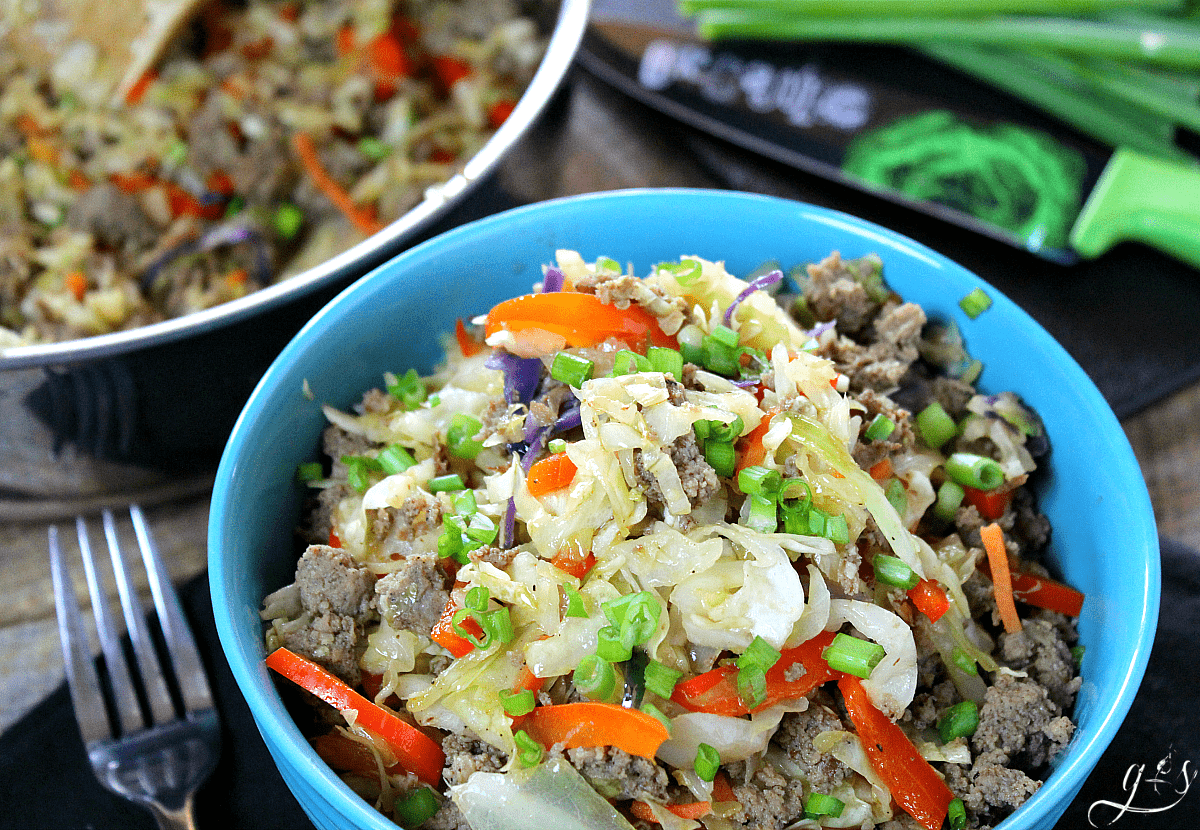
x: 1104, y: 539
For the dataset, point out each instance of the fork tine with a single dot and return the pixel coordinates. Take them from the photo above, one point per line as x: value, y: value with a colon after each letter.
x: 155, y: 686
x: 189, y: 671
x: 129, y: 713
x: 77, y: 650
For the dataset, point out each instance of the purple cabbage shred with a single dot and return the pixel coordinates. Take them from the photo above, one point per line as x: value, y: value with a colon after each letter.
x: 757, y: 284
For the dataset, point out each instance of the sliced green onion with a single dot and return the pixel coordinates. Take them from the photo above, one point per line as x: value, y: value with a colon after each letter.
x: 691, y: 344
x: 483, y: 641
x: 760, y: 481
x: 837, y: 530
x: 685, y: 271
x: 949, y: 498
x: 1077, y: 654
x: 358, y: 471
x: 964, y: 662
x: 373, y: 148
x: 752, y: 686
x: 518, y: 703
x: 435, y: 400
x: 176, y: 153
x: 460, y: 436
x: 626, y: 362
x: 396, y: 459
x: 667, y: 361
x: 959, y: 721
x: 465, y: 504
x: 310, y: 471
x: 595, y: 677
x: 611, y: 646
x: 759, y: 653
x: 656, y: 713
x: 417, y: 807
x: 571, y: 369
x: 720, y: 357
x: 449, y: 545
x: 408, y: 388
x: 556, y: 445
x: 816, y: 521
x: 935, y: 425
x: 976, y: 471
x: 853, y: 655
x: 498, y: 624
x: 975, y: 303
x: 721, y: 431
x: 288, y: 220
x: 897, y: 496
x: 446, y: 484
x: 881, y: 427
x: 956, y: 814
x: 477, y: 599
x: 820, y: 804
x: 721, y: 456
x: 724, y: 335
x: 894, y: 571
x: 575, y: 607
x: 607, y: 263
x: 529, y: 751
x: 763, y: 514
x: 236, y: 205
x: 660, y: 678
x: 708, y: 761
x: 481, y: 529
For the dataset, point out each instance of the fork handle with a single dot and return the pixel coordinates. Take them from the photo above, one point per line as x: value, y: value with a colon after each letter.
x: 178, y: 819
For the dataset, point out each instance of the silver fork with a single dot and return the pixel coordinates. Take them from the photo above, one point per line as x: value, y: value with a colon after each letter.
x: 142, y: 744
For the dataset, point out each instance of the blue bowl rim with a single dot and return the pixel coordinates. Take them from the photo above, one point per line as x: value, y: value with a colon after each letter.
x: 1057, y: 790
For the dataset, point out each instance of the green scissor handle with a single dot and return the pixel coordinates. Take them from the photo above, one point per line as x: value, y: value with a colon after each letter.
x: 1143, y: 199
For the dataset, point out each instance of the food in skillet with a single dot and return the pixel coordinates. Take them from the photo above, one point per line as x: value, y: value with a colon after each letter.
x: 275, y: 135
x: 655, y: 551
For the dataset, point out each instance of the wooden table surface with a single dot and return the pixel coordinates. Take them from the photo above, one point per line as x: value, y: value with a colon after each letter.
x: 601, y: 154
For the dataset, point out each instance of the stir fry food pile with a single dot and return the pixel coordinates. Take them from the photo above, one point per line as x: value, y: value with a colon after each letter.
x: 274, y: 135
x: 683, y: 550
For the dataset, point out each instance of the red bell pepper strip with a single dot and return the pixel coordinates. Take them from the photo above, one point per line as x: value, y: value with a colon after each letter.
x: 1044, y: 592
x: 573, y: 561
x: 549, y: 474
x: 444, y: 635
x: 991, y: 504
x: 930, y: 599
x: 581, y: 319
x: 914, y: 784
x: 348, y: 755
x: 591, y: 723
x: 716, y: 691
x: 414, y: 750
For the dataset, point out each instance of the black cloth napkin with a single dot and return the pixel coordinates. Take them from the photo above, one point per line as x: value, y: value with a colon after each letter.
x: 45, y: 781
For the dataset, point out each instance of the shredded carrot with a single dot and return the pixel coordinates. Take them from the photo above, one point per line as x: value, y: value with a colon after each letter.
x: 28, y: 125
x: 466, y: 344
x: 696, y: 809
x: 882, y: 471
x: 138, y: 90
x: 76, y: 284
x: 549, y: 474
x: 362, y: 218
x: 723, y: 789
x: 41, y: 149
x: 78, y: 181
x: 997, y: 553
x: 236, y: 277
